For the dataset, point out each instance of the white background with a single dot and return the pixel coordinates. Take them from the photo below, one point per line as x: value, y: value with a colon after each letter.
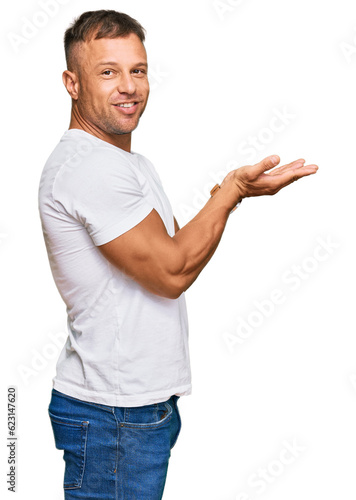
x: 220, y: 71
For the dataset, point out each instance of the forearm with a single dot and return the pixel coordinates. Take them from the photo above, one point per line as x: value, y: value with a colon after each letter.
x: 197, y: 241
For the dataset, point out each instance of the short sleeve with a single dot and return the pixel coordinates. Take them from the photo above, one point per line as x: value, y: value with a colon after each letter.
x: 104, y: 192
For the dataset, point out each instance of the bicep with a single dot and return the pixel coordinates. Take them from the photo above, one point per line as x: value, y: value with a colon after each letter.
x: 147, y: 254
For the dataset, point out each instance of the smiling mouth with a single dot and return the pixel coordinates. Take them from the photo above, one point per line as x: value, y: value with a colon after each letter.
x: 126, y: 105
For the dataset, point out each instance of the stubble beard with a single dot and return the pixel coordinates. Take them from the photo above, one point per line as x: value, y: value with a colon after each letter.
x: 111, y: 126
x: 107, y: 123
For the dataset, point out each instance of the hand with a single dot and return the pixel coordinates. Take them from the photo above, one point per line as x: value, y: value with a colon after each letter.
x: 251, y: 180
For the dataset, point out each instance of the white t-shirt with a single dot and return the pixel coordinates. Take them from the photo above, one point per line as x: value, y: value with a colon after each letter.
x: 126, y: 346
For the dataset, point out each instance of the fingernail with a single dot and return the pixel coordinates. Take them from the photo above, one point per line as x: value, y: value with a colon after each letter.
x: 275, y: 160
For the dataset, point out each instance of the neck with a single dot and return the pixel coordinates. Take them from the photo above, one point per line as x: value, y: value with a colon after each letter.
x: 122, y: 141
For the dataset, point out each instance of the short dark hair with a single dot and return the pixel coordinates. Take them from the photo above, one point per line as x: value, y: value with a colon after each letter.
x: 99, y: 24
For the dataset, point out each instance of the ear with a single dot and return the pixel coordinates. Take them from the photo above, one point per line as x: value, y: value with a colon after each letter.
x: 71, y: 83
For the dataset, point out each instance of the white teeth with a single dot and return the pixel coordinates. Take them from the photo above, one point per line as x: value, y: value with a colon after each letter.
x: 127, y: 105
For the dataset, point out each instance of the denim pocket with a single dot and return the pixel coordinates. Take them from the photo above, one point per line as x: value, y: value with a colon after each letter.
x: 148, y: 416
x: 178, y: 421
x: 71, y: 436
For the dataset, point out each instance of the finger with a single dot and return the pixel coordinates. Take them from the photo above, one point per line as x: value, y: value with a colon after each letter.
x: 264, y: 165
x: 293, y: 175
x: 294, y: 164
x: 310, y: 169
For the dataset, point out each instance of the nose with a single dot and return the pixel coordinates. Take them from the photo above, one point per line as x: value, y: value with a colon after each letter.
x: 126, y: 84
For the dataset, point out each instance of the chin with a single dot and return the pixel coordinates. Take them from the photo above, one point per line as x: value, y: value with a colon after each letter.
x: 128, y: 129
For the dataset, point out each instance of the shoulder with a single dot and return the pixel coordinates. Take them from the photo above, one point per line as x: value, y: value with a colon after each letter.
x: 147, y: 166
x: 87, y: 162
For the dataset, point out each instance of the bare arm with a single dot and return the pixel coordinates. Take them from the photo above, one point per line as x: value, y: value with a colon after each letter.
x: 167, y: 265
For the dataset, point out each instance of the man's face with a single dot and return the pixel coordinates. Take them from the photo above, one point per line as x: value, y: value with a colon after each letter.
x: 113, y: 83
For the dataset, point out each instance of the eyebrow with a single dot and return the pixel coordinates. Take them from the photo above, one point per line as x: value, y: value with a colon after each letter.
x: 114, y: 63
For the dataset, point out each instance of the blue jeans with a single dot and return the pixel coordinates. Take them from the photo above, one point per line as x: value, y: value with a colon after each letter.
x: 111, y: 452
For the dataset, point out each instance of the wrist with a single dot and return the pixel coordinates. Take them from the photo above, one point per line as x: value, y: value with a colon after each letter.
x: 230, y: 193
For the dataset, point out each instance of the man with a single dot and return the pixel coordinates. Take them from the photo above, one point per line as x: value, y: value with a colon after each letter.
x: 121, y: 265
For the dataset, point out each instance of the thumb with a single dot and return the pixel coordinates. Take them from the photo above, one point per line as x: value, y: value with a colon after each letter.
x: 266, y: 164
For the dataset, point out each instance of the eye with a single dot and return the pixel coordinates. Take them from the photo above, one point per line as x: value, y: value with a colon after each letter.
x: 138, y: 72
x: 106, y: 72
